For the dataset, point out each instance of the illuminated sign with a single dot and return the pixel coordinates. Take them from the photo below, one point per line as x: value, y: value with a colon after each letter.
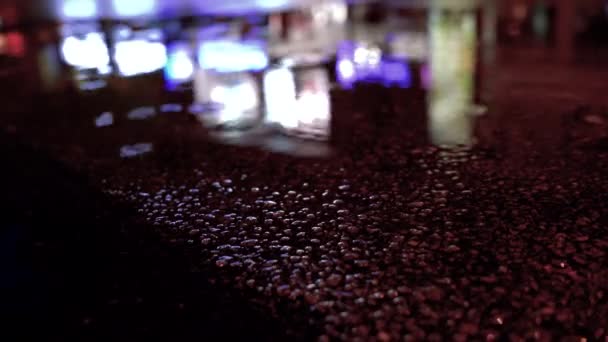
x: 79, y: 9
x: 232, y: 56
x: 180, y: 65
x: 298, y: 99
x: 88, y: 52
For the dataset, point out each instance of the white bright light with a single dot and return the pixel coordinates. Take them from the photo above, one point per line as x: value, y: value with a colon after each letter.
x: 244, y: 96
x: 346, y: 69
x: 235, y: 101
x: 105, y: 69
x: 320, y: 15
x: 79, y: 8
x: 360, y: 55
x: 89, y: 53
x: 367, y: 55
x: 180, y: 66
x: 330, y: 13
x: 280, y: 96
x: 123, y: 32
x: 291, y: 108
x: 131, y: 8
x: 374, y: 56
x: 339, y: 12
x: 218, y: 94
x: 313, y: 107
x: 136, y: 57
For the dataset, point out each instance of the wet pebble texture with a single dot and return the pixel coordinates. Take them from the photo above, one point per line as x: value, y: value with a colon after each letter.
x: 390, y: 239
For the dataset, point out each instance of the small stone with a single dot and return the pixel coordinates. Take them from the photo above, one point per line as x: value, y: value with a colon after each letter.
x: 452, y: 249
x: 384, y: 336
x: 334, y: 280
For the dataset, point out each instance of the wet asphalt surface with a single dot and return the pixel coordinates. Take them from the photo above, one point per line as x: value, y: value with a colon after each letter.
x: 390, y: 238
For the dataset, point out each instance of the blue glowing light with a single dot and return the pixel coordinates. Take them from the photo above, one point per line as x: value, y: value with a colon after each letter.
x: 132, y: 8
x: 230, y: 56
x: 366, y: 63
x: 171, y: 108
x: 104, y: 120
x: 197, y: 108
x: 78, y: 9
x: 396, y: 72
x: 358, y: 62
x: 180, y: 64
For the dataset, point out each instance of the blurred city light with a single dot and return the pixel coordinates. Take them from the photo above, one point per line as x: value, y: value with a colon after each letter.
x: 171, y: 108
x: 232, y: 56
x: 410, y: 45
x: 396, y: 73
x: 329, y: 13
x: 104, y: 120
x: 133, y: 8
x: 80, y: 9
x: 313, y: 108
x: 280, y: 97
x: 135, y: 150
x: 358, y: 62
x: 453, y: 41
x: 139, y: 56
x: 89, y: 52
x: 229, y: 97
x: 346, y: 72
x: 236, y: 100
x: 141, y: 113
x: 298, y: 100
x: 12, y: 44
x: 180, y: 64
